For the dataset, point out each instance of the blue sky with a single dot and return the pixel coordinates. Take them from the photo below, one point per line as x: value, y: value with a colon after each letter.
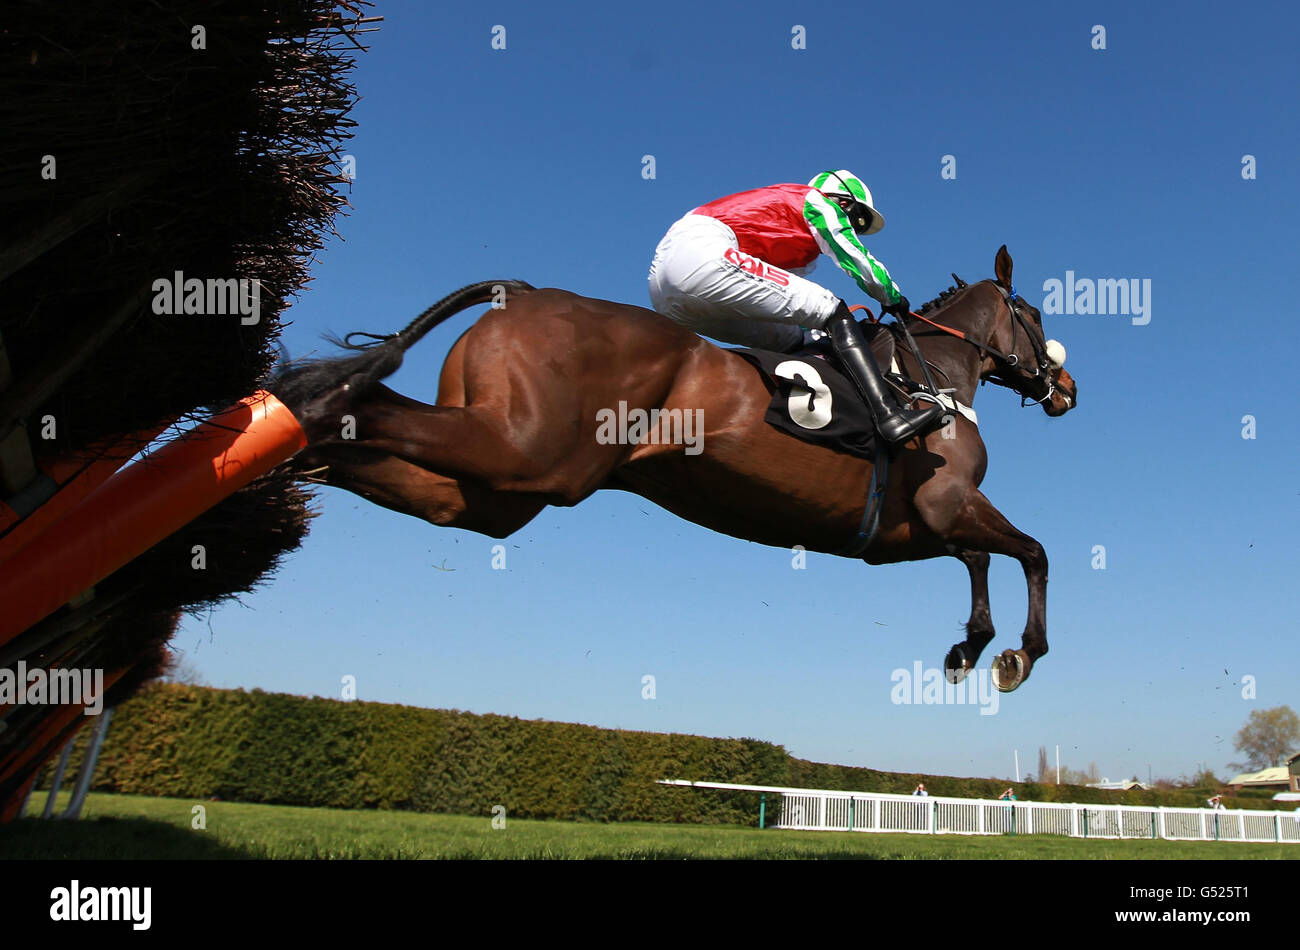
x: 474, y: 163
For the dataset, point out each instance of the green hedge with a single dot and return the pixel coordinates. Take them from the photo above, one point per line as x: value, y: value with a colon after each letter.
x: 196, y: 742
x: 200, y: 743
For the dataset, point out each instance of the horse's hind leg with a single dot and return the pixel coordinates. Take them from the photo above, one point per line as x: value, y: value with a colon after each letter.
x: 963, y: 656
x: 406, y: 488
x: 527, y: 453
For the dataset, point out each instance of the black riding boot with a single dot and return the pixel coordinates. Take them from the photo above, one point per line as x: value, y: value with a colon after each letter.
x: 895, y: 425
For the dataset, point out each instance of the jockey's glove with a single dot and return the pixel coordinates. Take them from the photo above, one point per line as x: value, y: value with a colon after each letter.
x: 899, y: 309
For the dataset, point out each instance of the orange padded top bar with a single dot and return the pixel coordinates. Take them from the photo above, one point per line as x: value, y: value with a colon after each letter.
x: 143, y: 504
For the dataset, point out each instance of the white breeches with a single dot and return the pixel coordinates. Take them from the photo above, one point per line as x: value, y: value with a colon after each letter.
x: 701, y: 279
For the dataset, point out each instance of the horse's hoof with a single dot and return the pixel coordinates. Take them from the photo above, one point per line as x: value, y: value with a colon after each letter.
x: 957, y: 664
x: 1009, y: 670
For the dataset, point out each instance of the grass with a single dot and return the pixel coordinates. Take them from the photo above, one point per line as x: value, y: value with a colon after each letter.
x: 135, y: 826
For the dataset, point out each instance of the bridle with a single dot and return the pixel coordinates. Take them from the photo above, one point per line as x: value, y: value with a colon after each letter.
x: 1008, y: 370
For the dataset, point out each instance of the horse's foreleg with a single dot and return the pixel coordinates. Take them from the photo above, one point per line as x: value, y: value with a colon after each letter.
x: 963, y: 656
x: 982, y: 527
x: 962, y: 516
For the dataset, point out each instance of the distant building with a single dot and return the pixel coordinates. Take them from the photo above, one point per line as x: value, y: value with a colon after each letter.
x: 1277, y: 778
x: 1118, y: 786
x: 1293, y: 771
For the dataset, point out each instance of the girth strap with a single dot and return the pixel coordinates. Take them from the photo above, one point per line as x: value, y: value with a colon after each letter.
x: 871, y: 514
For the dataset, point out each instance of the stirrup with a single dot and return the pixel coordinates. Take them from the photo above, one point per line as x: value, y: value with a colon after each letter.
x: 903, y: 424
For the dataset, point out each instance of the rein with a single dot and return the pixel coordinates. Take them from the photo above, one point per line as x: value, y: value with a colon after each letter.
x: 1004, y: 362
x: 1007, y: 361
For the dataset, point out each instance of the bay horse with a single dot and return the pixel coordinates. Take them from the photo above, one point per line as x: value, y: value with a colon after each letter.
x: 515, y: 429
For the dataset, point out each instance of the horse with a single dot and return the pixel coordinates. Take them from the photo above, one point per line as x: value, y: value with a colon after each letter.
x: 515, y: 426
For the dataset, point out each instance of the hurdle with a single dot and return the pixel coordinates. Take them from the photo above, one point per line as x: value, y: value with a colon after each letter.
x: 141, y: 505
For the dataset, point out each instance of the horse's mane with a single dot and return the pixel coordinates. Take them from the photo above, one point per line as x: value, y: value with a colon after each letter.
x: 944, y: 298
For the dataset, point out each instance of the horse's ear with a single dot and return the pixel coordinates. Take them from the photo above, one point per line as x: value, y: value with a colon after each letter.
x: 1002, y: 267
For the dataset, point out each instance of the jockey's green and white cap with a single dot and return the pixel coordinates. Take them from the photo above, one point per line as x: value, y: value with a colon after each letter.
x: 844, y: 182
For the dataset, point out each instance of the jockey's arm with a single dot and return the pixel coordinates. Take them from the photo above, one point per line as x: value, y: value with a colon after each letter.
x: 835, y: 237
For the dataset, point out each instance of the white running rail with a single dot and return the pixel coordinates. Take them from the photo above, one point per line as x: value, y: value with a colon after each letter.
x: 806, y: 809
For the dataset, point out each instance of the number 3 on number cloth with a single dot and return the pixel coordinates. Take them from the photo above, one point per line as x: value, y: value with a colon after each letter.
x: 810, y: 411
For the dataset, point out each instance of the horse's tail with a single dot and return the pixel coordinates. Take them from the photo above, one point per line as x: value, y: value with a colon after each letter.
x: 298, y: 384
x: 450, y: 305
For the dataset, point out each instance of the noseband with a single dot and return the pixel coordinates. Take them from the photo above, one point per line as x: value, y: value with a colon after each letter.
x: 1011, y: 361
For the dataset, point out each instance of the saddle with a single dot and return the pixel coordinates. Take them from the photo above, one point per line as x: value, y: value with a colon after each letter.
x: 815, y: 400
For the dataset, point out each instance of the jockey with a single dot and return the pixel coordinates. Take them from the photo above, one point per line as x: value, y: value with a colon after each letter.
x: 732, y: 269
